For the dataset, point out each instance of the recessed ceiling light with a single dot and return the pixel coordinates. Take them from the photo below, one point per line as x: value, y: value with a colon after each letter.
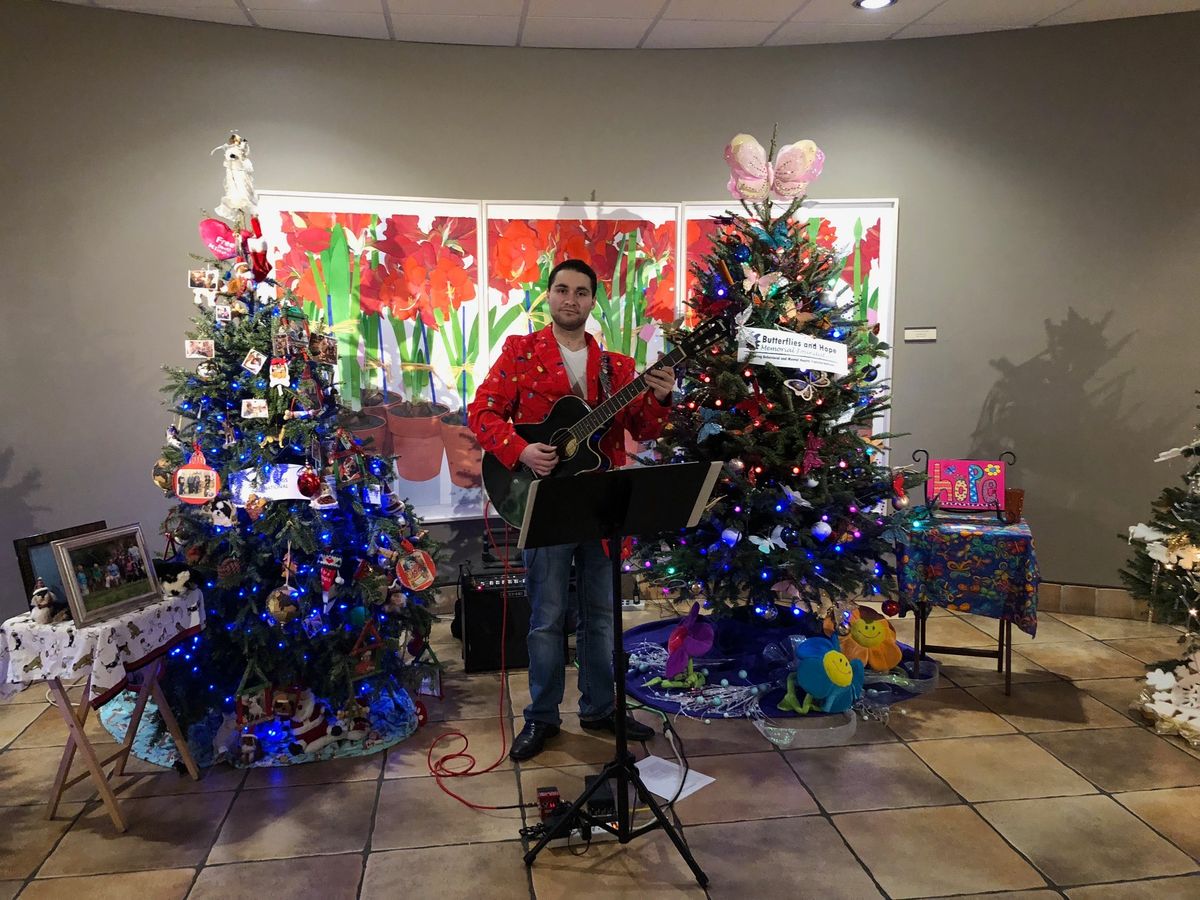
x: 871, y: 5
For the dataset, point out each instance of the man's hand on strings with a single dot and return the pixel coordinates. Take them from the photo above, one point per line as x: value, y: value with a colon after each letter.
x: 541, y: 458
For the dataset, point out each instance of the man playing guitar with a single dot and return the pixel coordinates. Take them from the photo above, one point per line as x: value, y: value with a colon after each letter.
x: 533, y: 371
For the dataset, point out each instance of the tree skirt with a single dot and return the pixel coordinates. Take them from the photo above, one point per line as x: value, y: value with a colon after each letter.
x: 1171, y: 699
x: 393, y: 718
x: 746, y: 671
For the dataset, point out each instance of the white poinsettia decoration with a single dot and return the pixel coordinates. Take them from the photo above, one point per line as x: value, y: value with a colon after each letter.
x: 1160, y: 680
x: 1172, y: 699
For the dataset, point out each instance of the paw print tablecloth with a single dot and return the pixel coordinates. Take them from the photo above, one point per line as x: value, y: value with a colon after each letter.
x: 981, y: 568
x: 109, y: 650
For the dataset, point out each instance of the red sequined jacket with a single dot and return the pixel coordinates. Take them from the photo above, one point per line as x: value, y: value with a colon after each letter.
x: 530, y: 375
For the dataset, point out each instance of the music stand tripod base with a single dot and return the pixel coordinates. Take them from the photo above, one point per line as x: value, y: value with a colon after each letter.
x: 612, y: 506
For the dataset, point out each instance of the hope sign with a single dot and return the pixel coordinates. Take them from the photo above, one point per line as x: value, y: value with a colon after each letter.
x: 976, y: 484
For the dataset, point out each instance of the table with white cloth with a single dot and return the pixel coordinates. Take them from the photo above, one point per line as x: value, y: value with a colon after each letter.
x: 114, y: 654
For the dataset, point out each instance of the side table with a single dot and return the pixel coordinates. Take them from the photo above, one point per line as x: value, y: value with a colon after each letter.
x: 983, y: 568
x: 115, y: 654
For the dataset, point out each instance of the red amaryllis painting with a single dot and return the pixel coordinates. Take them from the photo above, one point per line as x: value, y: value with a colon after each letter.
x: 450, y: 285
x: 866, y: 250
x: 401, y: 237
x: 660, y: 296
x: 825, y: 235
x: 513, y: 249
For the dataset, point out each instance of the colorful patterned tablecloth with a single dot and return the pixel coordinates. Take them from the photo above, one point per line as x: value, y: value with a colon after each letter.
x: 109, y: 649
x: 981, y: 568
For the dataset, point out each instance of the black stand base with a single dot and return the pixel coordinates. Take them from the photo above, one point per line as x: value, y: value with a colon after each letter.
x: 625, y: 774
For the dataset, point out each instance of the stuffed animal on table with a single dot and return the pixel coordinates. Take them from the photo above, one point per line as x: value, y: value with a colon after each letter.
x: 240, y: 200
x: 174, y: 578
x: 45, y: 605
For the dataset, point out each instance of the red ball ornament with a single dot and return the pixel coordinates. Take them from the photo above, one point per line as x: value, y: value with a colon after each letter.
x: 308, y: 482
x: 891, y: 608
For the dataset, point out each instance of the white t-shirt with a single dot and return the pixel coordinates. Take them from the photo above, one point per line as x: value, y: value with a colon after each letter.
x: 576, y: 363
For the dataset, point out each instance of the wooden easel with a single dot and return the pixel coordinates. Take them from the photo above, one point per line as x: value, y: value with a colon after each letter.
x: 76, y: 719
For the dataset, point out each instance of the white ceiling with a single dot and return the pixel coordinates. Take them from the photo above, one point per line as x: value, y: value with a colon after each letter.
x: 642, y: 23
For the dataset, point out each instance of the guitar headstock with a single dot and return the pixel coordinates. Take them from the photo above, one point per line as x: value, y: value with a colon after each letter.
x: 704, y: 336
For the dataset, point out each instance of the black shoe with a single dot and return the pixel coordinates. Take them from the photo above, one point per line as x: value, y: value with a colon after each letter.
x: 634, y: 730
x: 532, y: 740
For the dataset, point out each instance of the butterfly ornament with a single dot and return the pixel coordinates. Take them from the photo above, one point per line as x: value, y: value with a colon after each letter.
x: 805, y: 388
x: 763, y: 283
x: 795, y: 498
x: 744, y: 336
x: 754, y: 177
x: 773, y: 541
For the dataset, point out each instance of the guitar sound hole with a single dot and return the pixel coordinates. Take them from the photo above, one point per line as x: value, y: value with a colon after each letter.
x: 564, y: 444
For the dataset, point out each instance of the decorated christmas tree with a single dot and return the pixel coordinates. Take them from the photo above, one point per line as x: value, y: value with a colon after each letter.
x: 316, y: 578
x: 789, y: 405
x: 1165, y: 568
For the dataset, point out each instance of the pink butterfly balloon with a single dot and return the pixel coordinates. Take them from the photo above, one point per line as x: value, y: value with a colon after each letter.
x: 754, y: 177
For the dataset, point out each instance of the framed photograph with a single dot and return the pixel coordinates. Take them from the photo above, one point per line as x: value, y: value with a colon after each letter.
x: 291, y: 333
x: 222, y: 312
x: 193, y: 349
x: 322, y: 348
x: 254, y: 408
x: 254, y: 361
x: 35, y: 558
x: 106, y: 573
x: 205, y: 279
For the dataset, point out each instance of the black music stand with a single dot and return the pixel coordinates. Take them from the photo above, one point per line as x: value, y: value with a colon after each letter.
x: 614, y: 505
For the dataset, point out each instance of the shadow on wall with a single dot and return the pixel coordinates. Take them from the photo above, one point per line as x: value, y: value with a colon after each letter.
x: 1053, y: 410
x: 16, y: 521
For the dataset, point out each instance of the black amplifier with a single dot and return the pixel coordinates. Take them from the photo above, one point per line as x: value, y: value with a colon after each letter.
x: 481, y: 607
x: 514, y: 580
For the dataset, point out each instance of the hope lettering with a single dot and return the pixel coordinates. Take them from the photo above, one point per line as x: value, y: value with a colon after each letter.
x: 966, y: 483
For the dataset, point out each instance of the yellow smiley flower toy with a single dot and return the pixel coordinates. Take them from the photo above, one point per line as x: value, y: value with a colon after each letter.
x: 871, y: 639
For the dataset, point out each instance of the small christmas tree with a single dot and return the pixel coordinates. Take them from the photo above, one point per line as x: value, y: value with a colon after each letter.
x: 1165, y: 568
x: 797, y: 514
x: 316, y: 578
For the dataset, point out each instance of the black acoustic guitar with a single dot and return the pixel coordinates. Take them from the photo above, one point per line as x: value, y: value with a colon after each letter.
x: 574, y: 429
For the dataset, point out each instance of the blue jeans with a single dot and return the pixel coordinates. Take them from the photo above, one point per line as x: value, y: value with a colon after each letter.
x: 547, y: 576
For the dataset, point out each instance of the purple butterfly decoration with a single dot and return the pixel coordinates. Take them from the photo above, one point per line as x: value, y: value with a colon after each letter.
x: 691, y: 637
x: 811, y: 459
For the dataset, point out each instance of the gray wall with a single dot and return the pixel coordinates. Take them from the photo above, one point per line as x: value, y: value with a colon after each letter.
x: 1047, y: 179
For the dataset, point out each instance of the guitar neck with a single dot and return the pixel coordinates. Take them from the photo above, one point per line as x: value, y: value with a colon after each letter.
x: 602, y: 415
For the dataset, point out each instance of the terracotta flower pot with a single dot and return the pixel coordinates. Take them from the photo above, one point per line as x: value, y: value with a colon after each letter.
x: 368, y: 428
x: 417, y: 439
x: 377, y: 403
x: 463, y: 452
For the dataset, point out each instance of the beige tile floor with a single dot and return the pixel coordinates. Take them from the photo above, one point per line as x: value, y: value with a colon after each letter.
x: 1056, y: 791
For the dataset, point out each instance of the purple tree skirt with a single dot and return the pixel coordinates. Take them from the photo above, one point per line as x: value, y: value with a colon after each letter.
x: 746, y: 672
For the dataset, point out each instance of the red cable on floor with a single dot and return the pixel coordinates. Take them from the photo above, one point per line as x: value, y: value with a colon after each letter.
x: 438, y: 768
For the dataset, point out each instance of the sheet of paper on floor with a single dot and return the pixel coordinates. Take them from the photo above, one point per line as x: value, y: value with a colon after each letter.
x: 662, y: 777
